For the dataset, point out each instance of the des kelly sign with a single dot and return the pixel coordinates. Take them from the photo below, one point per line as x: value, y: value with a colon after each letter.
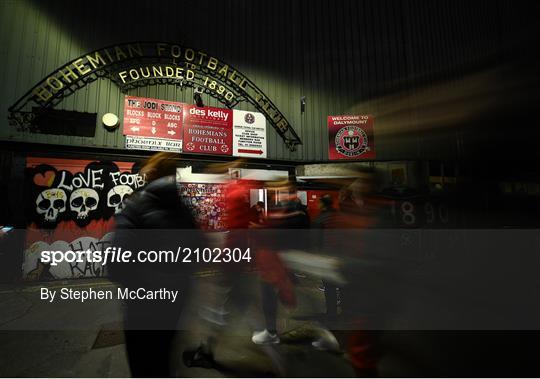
x: 208, y: 130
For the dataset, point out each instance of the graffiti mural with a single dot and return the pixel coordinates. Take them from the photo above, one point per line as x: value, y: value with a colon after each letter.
x: 78, y: 191
x: 33, y: 269
x: 72, y: 207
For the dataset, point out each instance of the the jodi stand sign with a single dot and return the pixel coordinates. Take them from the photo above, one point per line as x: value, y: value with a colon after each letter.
x: 351, y: 137
x: 151, y: 124
x: 157, y: 125
x: 249, y: 134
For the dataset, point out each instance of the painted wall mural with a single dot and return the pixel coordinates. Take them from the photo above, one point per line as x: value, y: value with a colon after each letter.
x: 71, y: 207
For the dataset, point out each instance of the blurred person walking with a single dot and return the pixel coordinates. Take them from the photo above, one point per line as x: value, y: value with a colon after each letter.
x: 150, y: 326
x: 275, y: 278
x: 328, y: 242
x: 228, y: 289
x: 367, y: 298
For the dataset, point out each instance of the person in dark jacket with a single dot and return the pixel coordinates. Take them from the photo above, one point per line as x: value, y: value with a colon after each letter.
x: 257, y: 215
x: 151, y: 220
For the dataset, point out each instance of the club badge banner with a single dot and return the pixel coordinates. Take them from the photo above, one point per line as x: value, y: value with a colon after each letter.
x: 351, y: 137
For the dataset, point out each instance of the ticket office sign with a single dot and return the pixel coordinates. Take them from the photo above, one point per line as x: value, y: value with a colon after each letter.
x: 249, y: 134
x: 152, y: 124
x: 207, y: 130
x: 351, y: 137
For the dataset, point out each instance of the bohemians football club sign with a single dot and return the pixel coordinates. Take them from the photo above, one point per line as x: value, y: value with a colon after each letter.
x: 351, y: 137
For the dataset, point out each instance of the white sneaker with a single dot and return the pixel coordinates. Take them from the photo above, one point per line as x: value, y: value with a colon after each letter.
x: 327, y: 342
x: 264, y: 338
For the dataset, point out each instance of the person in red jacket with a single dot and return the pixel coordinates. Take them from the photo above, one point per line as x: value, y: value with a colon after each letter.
x: 229, y: 286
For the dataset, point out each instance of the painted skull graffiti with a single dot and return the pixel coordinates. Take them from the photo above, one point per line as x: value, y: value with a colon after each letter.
x: 50, y: 203
x: 83, y: 201
x: 116, y: 196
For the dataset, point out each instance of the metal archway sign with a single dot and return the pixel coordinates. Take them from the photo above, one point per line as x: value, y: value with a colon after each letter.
x: 139, y: 64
